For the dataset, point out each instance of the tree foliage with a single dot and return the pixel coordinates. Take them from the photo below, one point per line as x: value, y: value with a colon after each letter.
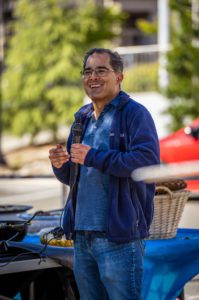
x: 141, y: 77
x: 183, y: 64
x: 42, y: 84
x: 148, y: 27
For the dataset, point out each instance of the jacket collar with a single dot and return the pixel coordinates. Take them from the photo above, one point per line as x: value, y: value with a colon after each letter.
x: 86, y: 110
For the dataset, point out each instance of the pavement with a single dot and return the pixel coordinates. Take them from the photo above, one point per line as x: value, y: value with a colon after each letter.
x: 191, y: 290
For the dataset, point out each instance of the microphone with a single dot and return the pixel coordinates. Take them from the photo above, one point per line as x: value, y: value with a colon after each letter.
x: 77, y: 133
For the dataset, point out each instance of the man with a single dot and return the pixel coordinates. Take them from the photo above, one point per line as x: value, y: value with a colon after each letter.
x: 107, y: 212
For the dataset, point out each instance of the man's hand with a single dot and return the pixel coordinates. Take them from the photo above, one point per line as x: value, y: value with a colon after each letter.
x: 58, y: 156
x: 79, y: 152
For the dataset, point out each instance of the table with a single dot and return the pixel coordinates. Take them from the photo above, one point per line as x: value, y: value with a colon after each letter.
x: 29, y: 265
x: 29, y: 274
x: 169, y: 263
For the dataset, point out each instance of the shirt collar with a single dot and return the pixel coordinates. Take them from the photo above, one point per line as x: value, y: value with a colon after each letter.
x: 115, y: 102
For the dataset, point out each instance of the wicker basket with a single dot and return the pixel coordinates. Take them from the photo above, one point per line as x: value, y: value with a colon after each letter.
x: 173, y: 185
x: 168, y: 210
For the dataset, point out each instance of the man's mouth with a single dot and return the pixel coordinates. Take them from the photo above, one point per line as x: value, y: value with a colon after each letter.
x: 94, y: 86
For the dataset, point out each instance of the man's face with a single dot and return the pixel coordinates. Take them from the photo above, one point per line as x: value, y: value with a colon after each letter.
x: 101, y: 82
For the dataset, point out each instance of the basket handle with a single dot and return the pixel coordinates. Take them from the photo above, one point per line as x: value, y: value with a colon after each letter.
x: 166, y: 189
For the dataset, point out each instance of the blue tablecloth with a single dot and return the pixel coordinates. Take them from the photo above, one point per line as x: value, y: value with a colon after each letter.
x: 168, y: 263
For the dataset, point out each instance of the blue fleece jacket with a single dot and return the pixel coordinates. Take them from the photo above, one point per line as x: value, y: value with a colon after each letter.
x: 133, y: 144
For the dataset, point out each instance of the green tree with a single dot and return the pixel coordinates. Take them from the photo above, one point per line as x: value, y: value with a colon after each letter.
x: 183, y: 64
x: 42, y: 84
x: 147, y: 27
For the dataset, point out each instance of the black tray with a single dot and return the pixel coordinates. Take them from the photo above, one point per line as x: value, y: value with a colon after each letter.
x: 6, y: 209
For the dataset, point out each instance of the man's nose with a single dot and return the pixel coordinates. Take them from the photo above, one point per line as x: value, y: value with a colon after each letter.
x: 93, y: 75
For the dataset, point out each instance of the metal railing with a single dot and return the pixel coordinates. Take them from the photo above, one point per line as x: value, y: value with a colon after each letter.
x: 133, y: 55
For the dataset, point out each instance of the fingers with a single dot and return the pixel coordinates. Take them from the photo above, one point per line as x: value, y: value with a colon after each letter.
x: 79, y: 152
x: 59, y: 146
x: 58, y: 156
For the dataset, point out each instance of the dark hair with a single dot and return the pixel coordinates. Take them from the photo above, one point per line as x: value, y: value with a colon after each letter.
x: 115, y: 59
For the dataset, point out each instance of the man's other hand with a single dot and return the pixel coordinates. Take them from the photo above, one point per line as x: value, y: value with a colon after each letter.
x: 58, y: 156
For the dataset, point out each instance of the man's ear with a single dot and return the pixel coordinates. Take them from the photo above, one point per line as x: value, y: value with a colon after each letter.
x: 120, y: 77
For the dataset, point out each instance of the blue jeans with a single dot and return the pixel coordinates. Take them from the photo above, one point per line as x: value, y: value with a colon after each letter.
x: 107, y: 271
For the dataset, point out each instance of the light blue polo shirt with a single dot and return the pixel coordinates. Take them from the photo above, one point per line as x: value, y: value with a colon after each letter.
x: 93, y: 188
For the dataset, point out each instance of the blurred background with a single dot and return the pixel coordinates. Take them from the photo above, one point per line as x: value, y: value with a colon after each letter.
x: 42, y: 44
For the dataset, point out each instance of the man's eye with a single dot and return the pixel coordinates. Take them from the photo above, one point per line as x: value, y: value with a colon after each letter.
x: 101, y: 71
x: 87, y: 72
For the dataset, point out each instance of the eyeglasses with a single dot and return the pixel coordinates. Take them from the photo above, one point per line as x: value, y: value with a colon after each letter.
x: 100, y: 72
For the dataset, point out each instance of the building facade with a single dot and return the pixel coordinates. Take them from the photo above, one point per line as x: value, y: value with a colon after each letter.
x: 135, y: 9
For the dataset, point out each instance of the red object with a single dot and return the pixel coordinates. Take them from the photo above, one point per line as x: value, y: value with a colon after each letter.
x: 180, y: 146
